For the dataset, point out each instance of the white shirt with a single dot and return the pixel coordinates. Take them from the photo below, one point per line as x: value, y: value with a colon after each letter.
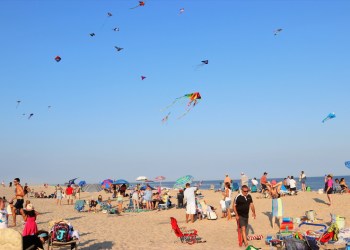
x: 292, y: 183
x: 189, y: 195
x: 229, y: 194
x: 3, y: 219
x: 223, y: 204
x: 255, y: 182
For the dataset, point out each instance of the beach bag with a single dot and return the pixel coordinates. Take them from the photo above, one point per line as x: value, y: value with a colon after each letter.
x: 254, y: 189
x: 60, y: 232
x: 295, y: 244
x: 211, y: 215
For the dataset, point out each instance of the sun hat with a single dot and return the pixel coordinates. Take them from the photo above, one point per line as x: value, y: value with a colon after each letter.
x: 29, y: 207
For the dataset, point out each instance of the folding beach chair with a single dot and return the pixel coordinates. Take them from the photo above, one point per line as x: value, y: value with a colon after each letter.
x: 186, y: 236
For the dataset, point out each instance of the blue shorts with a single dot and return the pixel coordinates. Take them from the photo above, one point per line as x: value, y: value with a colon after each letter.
x: 228, y: 204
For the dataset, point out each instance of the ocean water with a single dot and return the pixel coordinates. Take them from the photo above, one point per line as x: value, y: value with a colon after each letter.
x: 314, y: 182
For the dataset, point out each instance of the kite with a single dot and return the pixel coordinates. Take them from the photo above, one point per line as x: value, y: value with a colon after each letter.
x: 194, y: 98
x: 204, y: 62
x: 143, y: 78
x: 347, y: 164
x: 116, y: 29
x: 278, y: 31
x: 30, y: 116
x: 109, y: 14
x: 92, y: 34
x: 118, y: 48
x: 18, y: 102
x: 58, y: 58
x: 329, y: 116
x: 182, y: 10
x: 165, y: 119
x: 48, y: 107
x: 141, y: 3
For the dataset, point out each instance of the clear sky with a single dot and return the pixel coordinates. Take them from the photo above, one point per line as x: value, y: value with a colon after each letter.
x: 263, y: 96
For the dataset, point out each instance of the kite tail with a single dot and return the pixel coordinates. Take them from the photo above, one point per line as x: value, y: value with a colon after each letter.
x: 135, y: 7
x: 175, y: 101
x: 325, y: 119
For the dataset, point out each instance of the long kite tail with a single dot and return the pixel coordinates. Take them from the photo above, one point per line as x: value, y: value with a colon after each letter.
x: 325, y: 119
x: 135, y: 7
x: 189, y: 109
x: 175, y: 101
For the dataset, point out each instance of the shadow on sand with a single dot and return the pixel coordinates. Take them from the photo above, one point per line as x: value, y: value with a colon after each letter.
x: 320, y: 201
x: 99, y: 245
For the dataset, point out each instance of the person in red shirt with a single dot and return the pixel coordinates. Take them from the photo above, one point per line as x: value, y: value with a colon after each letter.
x: 69, y: 194
x: 263, y: 182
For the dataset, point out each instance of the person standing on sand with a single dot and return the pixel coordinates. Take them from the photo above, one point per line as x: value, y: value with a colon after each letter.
x: 227, y: 195
x: 191, y: 202
x: 302, y: 179
x: 274, y: 189
x: 263, y: 182
x: 69, y: 194
x: 329, y: 188
x: 242, y: 203
x: 18, y: 207
x: 227, y: 179
x: 59, y: 194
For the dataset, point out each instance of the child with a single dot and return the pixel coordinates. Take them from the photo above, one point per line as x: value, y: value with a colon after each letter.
x: 223, y: 208
x: 3, y: 215
x: 120, y: 202
x: 30, y: 215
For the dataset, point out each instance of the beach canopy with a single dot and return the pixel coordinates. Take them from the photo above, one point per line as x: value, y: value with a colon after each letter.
x: 121, y: 182
x: 90, y: 188
x: 106, y: 183
x: 82, y: 183
x: 141, y: 178
x: 181, y: 182
x: 159, y: 178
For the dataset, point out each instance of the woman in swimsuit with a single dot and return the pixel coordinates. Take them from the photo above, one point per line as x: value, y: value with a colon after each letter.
x: 277, y: 206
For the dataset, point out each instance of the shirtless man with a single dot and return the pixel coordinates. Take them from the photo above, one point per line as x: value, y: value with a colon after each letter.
x: 19, y: 199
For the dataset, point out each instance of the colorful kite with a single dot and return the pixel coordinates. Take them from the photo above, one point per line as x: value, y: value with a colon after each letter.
x: 92, y: 34
x: 143, y: 78
x: 30, y: 116
x: 118, y: 48
x: 165, y: 119
x: 278, y: 31
x: 182, y: 10
x: 141, y: 3
x: 18, y: 103
x: 194, y: 98
x: 330, y: 116
x: 58, y: 58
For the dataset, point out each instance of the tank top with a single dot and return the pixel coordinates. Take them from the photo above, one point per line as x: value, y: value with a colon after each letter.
x: 229, y: 194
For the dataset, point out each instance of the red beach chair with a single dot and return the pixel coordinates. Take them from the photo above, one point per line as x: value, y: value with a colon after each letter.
x: 186, y: 236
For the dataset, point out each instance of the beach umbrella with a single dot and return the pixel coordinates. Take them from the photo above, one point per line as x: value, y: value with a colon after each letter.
x: 160, y: 179
x: 71, y: 181
x: 121, y: 182
x: 82, y: 183
x: 90, y: 188
x: 145, y: 186
x: 141, y: 178
x: 181, y: 182
x: 106, y: 183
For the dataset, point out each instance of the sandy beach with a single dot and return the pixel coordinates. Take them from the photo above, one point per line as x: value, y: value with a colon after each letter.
x: 152, y: 230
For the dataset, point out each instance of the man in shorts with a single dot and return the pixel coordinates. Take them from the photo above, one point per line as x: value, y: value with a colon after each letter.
x: 242, y: 203
x: 17, y: 208
x: 191, y: 202
x: 263, y: 182
x: 69, y: 194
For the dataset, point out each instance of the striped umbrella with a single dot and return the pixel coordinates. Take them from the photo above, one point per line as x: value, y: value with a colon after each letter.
x: 181, y: 182
x: 160, y: 179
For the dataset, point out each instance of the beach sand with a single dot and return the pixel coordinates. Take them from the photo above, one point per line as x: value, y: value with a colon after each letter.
x: 152, y: 230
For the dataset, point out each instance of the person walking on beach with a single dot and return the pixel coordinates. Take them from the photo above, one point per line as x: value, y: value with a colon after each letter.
x: 292, y: 185
x: 18, y: 207
x: 302, y: 179
x: 30, y: 227
x: 227, y: 195
x: 241, y: 206
x: 69, y: 194
x: 263, y: 182
x: 244, y: 179
x: 329, y: 188
x: 190, y: 197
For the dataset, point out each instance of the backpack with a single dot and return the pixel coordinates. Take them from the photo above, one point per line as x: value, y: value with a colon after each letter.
x: 60, y: 232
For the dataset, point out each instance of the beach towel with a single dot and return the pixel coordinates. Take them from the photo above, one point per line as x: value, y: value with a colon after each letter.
x: 277, y: 207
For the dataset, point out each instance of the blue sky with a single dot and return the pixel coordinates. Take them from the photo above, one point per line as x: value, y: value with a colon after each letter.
x: 263, y: 96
